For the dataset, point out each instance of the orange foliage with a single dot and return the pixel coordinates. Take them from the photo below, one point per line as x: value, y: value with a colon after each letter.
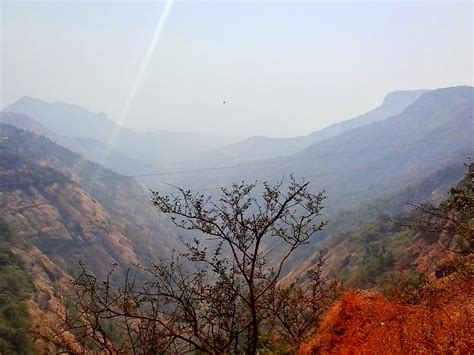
x: 366, y: 322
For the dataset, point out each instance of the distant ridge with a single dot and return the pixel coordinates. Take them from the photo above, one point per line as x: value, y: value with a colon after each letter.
x: 147, y: 148
x: 65, y: 119
x: 393, y: 104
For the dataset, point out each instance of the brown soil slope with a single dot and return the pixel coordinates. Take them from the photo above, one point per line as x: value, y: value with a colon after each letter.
x: 367, y: 323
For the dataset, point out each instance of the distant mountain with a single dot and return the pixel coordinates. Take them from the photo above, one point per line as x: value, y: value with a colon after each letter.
x: 374, y: 159
x: 101, y: 140
x: 66, y: 119
x: 148, y: 148
x: 259, y: 146
x: 393, y: 104
x: 390, y: 153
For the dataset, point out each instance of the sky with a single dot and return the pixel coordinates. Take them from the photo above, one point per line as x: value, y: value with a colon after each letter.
x: 283, y: 68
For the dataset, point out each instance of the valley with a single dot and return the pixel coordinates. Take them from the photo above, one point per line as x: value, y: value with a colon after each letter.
x: 62, y: 207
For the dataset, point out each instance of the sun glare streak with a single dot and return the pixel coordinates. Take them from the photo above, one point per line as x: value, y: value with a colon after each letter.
x: 142, y: 70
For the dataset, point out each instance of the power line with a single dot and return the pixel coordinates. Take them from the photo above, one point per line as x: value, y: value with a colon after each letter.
x: 338, y: 172
x: 373, y: 167
x: 117, y: 176
x: 250, y: 164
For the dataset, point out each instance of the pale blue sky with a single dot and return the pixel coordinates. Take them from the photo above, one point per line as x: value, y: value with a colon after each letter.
x: 284, y: 68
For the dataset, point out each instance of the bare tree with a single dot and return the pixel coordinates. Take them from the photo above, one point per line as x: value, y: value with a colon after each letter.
x: 294, y: 312
x: 221, y: 295
x: 242, y: 222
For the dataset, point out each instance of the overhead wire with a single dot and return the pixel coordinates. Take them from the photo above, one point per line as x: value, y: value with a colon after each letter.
x: 306, y: 177
x: 117, y: 176
x: 236, y: 157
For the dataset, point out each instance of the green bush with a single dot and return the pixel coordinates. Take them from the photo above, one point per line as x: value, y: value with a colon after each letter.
x: 15, y: 288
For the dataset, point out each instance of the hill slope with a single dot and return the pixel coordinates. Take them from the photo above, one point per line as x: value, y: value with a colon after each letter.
x: 72, y: 209
x: 428, y: 310
x: 361, y: 244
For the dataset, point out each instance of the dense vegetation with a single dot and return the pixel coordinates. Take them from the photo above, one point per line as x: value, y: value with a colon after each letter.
x: 373, y: 251
x: 15, y: 288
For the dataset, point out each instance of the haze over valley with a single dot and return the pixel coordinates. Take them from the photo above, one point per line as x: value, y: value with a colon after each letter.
x: 236, y: 177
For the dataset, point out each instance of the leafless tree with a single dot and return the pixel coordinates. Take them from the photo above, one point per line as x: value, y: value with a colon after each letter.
x: 294, y: 311
x: 220, y: 296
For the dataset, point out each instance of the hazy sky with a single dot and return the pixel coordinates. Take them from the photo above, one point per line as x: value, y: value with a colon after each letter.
x: 283, y: 68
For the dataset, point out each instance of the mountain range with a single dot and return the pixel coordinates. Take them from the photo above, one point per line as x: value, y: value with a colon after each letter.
x: 68, y: 193
x: 401, y: 142
x: 368, y: 161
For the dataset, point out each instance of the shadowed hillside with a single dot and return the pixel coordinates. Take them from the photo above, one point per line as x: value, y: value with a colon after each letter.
x: 364, y: 243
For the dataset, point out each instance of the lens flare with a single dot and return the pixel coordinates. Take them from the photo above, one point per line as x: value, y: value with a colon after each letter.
x: 141, y: 72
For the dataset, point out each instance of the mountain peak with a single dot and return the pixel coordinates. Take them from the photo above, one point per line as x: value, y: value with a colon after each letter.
x: 28, y: 99
x: 64, y: 118
x: 28, y: 102
x: 402, y: 97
